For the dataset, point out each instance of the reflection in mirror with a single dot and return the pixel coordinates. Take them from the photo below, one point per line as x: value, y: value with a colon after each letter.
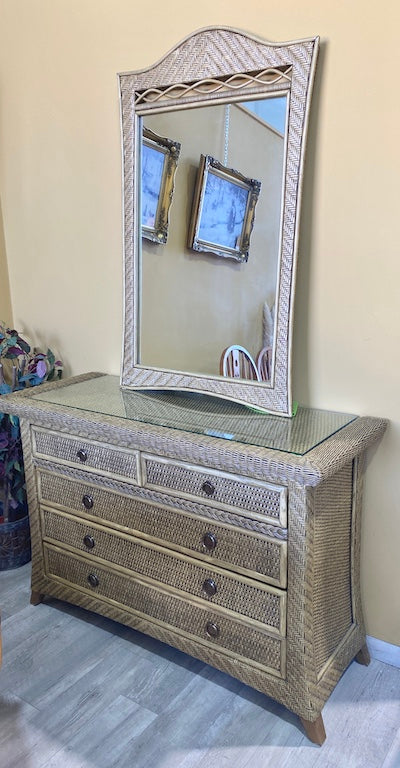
x: 223, y: 210
x: 200, y: 303
x: 159, y: 160
x: 242, y: 103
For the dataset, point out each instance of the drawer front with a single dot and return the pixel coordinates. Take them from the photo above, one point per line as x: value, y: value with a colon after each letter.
x: 240, y: 595
x: 252, y: 497
x: 204, y: 623
x: 86, y: 454
x: 227, y: 545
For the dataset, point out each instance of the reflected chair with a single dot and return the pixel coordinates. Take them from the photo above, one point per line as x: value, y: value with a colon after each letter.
x: 236, y: 362
x: 264, y: 361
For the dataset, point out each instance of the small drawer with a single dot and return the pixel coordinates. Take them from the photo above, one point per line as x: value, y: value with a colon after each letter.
x: 221, y: 538
x: 253, y: 599
x: 209, y: 626
x: 251, y: 497
x: 86, y: 454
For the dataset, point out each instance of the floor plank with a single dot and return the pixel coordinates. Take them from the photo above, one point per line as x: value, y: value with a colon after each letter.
x: 106, y: 738
x: 392, y: 759
x: 80, y: 691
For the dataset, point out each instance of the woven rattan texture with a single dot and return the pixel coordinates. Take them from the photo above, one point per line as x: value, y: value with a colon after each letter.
x: 301, y: 690
x: 214, y: 53
x: 244, y: 597
x: 217, y: 52
x: 236, y: 517
x: 258, y: 463
x: 192, y: 618
x: 331, y: 599
x: 164, y: 500
x: 32, y: 498
x: 235, y: 493
x: 217, y: 417
x: 108, y: 459
x: 305, y: 629
x: 358, y: 482
x: 200, y: 414
x: 234, y: 547
x: 257, y: 678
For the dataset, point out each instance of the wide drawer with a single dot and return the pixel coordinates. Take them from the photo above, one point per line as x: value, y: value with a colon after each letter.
x: 87, y: 454
x: 255, y: 498
x: 253, y: 599
x: 216, y: 535
x: 209, y: 626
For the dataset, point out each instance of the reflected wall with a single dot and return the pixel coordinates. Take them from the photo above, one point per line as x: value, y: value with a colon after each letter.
x: 198, y: 302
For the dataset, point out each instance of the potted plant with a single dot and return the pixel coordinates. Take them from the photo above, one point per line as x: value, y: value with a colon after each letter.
x: 20, y: 367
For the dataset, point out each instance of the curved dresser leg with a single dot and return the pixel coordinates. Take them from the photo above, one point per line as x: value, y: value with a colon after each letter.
x: 315, y: 729
x: 36, y: 597
x: 363, y: 656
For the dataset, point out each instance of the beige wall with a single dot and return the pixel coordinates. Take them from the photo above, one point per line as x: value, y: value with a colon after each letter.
x: 61, y: 196
x: 5, y: 298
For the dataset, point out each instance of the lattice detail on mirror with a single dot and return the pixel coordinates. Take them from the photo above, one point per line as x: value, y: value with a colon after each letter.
x: 272, y: 76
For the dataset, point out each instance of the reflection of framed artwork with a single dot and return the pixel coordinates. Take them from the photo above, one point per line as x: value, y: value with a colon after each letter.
x: 223, y: 210
x: 159, y: 161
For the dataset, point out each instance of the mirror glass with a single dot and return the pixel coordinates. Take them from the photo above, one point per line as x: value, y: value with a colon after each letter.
x: 213, y: 139
x: 200, y: 302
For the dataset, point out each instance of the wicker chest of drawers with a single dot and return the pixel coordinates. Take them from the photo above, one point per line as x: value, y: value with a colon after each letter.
x: 244, y: 556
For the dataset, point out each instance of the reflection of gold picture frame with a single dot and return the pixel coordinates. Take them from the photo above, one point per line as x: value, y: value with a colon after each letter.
x: 223, y: 210
x: 159, y: 162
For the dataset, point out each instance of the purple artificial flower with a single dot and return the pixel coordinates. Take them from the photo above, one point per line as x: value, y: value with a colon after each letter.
x: 41, y: 369
x: 14, y: 352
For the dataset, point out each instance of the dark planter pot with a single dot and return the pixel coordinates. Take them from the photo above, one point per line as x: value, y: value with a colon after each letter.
x: 15, y: 540
x: 15, y: 544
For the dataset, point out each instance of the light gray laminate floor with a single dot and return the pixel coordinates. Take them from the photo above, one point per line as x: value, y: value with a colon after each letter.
x: 79, y: 691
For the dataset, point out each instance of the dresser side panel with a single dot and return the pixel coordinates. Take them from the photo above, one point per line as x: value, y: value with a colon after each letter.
x: 37, y: 577
x: 332, y: 537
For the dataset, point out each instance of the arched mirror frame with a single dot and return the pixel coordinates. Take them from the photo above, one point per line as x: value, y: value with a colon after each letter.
x: 218, y: 65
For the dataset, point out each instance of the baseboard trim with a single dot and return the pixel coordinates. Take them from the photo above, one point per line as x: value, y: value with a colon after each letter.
x: 382, y: 651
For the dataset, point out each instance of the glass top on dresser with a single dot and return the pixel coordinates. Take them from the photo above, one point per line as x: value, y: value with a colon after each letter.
x: 200, y: 414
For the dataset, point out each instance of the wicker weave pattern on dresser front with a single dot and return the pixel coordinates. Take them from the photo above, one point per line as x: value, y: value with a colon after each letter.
x: 252, y: 553
x: 244, y: 596
x: 182, y: 536
x: 112, y: 460
x: 257, y: 499
x: 234, y: 636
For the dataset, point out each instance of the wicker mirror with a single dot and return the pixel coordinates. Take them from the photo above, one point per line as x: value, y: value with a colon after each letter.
x: 213, y: 150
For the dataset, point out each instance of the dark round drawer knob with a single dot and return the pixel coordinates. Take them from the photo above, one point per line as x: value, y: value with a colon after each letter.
x: 208, y: 488
x: 88, y: 541
x: 93, y: 580
x: 87, y: 501
x: 210, y: 587
x: 209, y: 541
x: 82, y: 455
x: 212, y: 629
